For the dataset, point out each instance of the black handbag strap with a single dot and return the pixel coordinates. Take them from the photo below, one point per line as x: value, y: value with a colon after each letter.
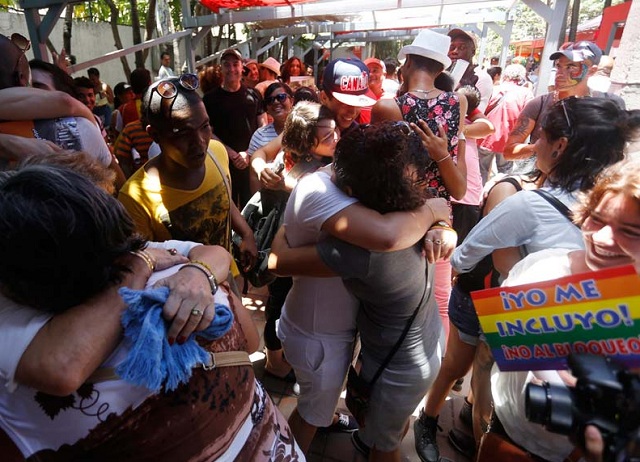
x: 556, y: 203
x: 396, y: 347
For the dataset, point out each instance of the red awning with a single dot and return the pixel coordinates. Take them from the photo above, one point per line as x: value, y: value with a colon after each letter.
x: 215, y: 5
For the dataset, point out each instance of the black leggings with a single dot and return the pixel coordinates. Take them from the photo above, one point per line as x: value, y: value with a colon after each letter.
x: 278, y: 291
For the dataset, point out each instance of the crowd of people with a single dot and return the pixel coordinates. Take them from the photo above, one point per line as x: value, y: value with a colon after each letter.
x: 400, y: 190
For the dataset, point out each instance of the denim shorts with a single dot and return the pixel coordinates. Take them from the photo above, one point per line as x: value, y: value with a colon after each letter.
x: 462, y: 314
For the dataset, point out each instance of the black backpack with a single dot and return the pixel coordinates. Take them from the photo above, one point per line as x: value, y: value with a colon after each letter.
x: 264, y: 217
x: 264, y: 214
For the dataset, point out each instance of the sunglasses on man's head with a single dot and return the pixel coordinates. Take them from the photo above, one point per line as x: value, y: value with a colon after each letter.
x: 167, y: 89
x: 21, y: 42
x: 281, y: 98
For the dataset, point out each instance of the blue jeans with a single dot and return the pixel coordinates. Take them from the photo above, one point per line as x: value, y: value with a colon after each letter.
x: 462, y: 313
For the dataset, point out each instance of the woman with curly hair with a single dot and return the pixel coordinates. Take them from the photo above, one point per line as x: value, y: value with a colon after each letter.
x: 309, y: 138
x: 383, y: 166
x: 423, y: 102
x: 609, y: 217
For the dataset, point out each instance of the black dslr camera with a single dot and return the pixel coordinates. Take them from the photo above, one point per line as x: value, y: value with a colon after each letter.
x: 606, y: 395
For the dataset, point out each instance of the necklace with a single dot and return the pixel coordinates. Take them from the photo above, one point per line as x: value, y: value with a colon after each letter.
x: 426, y: 92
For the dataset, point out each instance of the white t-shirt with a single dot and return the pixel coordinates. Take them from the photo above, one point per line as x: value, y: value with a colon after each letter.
x: 321, y: 307
x: 508, y: 388
x: 92, y: 141
x: 484, y: 86
x: 165, y: 72
x: 33, y: 427
x: 19, y: 324
x: 76, y: 134
x: 522, y: 219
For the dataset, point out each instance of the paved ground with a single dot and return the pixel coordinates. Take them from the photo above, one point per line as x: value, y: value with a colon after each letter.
x: 337, y: 447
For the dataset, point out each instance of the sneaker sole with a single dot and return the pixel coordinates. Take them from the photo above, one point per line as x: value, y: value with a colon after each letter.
x: 359, y: 445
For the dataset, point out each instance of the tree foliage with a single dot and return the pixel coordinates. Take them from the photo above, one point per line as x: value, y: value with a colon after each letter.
x: 99, y: 11
x: 528, y: 25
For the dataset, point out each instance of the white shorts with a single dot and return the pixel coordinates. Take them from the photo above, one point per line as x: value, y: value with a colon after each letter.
x: 321, y: 367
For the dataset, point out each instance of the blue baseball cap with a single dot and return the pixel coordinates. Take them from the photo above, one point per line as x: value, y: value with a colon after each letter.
x: 347, y: 80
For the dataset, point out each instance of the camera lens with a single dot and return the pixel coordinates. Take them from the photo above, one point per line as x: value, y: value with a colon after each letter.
x: 537, y: 403
x: 551, y: 406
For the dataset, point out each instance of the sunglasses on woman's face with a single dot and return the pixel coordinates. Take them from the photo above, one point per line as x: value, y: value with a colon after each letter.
x: 281, y: 98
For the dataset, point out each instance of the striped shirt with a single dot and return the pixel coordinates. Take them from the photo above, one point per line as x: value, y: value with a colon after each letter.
x: 261, y: 137
x: 132, y: 146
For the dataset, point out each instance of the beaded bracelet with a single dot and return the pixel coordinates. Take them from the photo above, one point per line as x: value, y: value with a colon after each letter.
x: 148, y: 259
x: 213, y: 282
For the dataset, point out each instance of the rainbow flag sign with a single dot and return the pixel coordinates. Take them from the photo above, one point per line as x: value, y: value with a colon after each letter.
x: 536, y: 326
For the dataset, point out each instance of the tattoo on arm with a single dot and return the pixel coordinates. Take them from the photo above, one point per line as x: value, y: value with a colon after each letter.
x: 522, y: 127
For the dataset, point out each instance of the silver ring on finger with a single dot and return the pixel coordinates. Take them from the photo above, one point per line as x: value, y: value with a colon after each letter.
x: 437, y: 242
x: 196, y: 312
x: 172, y: 251
x: 427, y: 240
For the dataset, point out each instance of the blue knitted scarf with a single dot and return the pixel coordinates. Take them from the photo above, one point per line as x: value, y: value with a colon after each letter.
x: 151, y: 360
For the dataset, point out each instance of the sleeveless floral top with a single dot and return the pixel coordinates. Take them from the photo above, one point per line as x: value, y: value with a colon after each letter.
x: 442, y: 110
